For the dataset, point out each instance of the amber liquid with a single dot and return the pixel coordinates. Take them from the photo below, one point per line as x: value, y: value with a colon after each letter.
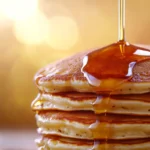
x: 113, y: 61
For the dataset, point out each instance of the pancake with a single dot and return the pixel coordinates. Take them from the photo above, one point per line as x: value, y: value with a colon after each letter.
x: 65, y: 75
x: 59, y: 143
x: 106, y: 110
x: 118, y: 104
x: 87, y: 125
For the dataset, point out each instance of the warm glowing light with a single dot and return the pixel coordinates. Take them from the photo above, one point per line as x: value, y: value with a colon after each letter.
x: 18, y: 79
x: 54, y: 7
x: 34, y: 30
x: 39, y: 56
x: 64, y: 32
x: 18, y: 9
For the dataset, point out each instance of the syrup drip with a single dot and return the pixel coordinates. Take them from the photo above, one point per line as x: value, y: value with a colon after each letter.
x: 101, y: 104
x: 113, y: 61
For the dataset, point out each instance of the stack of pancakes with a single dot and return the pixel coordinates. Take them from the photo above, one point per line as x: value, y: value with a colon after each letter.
x: 73, y: 115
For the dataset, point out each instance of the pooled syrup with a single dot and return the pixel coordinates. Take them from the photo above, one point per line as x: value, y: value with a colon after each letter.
x: 114, y: 61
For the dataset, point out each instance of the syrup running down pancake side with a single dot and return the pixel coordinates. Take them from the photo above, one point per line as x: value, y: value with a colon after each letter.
x: 114, y: 61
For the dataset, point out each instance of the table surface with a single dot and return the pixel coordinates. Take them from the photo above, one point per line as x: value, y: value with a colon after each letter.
x: 17, y: 139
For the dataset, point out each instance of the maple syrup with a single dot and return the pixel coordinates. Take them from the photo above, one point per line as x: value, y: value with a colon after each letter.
x: 113, y: 61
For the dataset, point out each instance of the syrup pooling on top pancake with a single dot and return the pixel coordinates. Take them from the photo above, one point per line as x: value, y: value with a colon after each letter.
x: 114, y: 61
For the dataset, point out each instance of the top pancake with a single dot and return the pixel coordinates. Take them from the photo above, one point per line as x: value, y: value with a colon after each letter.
x: 65, y: 75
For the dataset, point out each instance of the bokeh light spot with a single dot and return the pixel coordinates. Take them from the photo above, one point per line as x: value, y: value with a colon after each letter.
x: 18, y: 9
x: 64, y: 33
x: 34, y: 30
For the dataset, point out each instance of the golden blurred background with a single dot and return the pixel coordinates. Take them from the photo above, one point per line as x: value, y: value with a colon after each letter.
x: 34, y: 33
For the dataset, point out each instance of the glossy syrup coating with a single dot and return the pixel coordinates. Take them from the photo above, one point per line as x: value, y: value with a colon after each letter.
x: 114, y: 61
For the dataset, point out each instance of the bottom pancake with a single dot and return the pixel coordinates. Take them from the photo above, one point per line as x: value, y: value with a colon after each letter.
x: 87, y: 125
x: 59, y: 143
